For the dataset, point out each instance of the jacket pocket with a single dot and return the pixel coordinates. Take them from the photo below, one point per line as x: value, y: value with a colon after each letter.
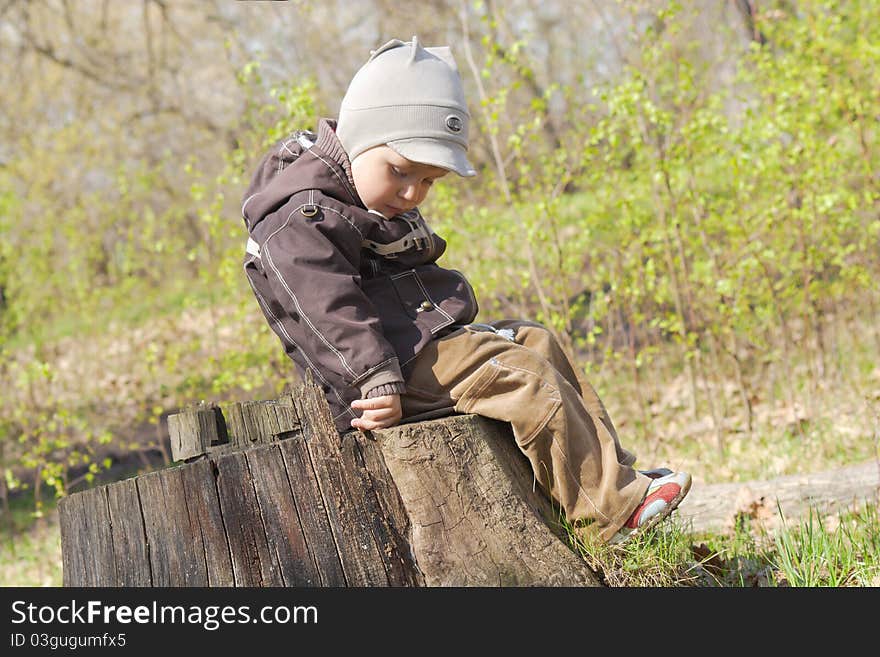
x: 417, y: 301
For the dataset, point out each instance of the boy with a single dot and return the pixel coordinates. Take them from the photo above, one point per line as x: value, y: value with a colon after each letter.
x: 344, y: 268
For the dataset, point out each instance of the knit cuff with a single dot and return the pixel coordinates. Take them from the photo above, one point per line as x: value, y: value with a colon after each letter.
x: 397, y: 388
x: 387, y: 373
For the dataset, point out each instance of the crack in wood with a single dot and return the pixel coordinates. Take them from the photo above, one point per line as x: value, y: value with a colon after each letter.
x: 144, y: 529
x: 216, y: 472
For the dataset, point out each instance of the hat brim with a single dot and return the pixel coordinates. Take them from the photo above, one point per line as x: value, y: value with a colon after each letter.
x: 436, y: 152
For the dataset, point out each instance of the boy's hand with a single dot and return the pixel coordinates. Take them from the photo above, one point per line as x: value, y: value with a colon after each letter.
x: 379, y: 412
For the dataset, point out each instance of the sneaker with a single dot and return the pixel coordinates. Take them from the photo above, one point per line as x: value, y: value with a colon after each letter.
x: 664, y: 494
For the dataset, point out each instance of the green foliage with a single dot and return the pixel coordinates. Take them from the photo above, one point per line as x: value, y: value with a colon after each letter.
x: 106, y: 255
x: 732, y: 221
x: 810, y: 553
x: 264, y: 122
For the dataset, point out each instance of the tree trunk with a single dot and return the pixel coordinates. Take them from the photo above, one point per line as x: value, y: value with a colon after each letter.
x: 271, y: 495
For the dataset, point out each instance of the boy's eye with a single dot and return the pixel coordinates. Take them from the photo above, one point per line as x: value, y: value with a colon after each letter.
x: 397, y: 172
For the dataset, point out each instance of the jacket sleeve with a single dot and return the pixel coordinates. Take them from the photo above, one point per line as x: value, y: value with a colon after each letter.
x: 312, y: 264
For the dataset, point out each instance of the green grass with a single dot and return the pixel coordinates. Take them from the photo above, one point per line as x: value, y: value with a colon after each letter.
x: 32, y: 558
x: 30, y: 544
x: 814, y: 553
x: 835, y: 551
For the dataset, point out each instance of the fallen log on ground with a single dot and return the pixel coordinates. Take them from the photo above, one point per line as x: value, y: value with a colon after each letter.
x: 767, y: 503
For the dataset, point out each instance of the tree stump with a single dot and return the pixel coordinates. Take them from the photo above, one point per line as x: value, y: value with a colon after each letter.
x: 269, y: 494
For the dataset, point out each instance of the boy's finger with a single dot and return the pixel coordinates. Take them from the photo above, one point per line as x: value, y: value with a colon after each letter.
x: 367, y: 404
x: 368, y: 423
x: 385, y: 401
x: 378, y: 414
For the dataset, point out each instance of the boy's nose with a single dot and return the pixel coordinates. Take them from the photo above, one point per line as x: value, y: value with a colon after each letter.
x: 410, y: 193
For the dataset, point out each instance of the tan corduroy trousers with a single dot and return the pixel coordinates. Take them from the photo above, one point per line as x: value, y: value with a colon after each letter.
x: 516, y: 371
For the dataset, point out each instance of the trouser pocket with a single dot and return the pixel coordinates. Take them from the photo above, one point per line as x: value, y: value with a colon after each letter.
x: 512, y: 393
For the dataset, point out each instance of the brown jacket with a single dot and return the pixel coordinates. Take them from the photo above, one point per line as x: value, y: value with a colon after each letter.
x: 352, y: 296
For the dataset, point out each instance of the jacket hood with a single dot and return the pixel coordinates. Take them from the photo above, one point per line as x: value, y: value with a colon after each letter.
x: 304, y: 160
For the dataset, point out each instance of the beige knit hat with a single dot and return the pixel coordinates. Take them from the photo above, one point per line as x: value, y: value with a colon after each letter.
x: 410, y: 98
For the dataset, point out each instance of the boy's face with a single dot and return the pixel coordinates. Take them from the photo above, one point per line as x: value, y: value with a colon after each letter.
x: 391, y: 184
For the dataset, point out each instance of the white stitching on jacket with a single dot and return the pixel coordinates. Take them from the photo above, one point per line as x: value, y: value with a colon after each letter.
x: 373, y: 369
x: 436, y: 305
x: 246, y: 201
x: 284, y: 147
x: 347, y: 220
x: 414, y: 274
x: 278, y: 323
x: 345, y: 185
x: 268, y: 258
x: 317, y: 205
